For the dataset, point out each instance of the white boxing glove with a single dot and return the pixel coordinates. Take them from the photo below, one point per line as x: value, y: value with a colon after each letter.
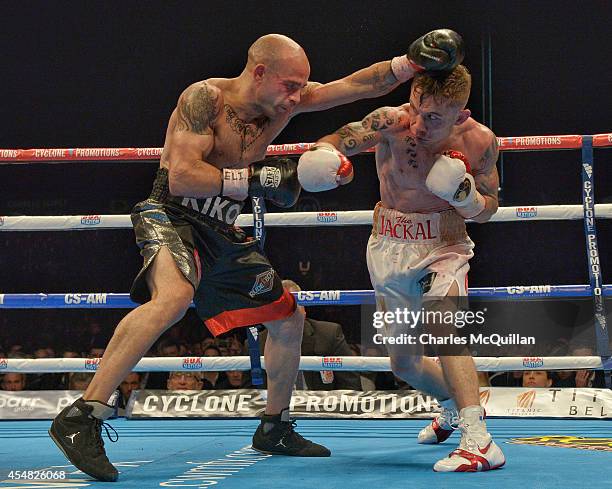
x: 323, y: 167
x: 449, y: 179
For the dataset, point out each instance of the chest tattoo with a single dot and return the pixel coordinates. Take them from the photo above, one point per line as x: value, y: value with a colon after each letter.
x: 248, y: 132
x: 411, y: 151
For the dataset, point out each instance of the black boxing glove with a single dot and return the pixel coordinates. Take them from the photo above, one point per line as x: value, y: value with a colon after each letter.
x: 274, y: 179
x: 437, y: 51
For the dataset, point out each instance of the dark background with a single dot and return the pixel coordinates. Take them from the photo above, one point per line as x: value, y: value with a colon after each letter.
x: 87, y: 74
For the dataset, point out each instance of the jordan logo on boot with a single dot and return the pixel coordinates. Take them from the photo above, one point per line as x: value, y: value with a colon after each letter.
x: 280, y: 443
x: 72, y: 437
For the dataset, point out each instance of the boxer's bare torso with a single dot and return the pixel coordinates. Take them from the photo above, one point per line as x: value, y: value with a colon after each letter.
x: 403, y: 159
x: 236, y: 142
x: 402, y: 162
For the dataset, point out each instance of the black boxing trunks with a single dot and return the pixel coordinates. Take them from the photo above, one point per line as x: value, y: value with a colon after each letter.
x: 234, y: 283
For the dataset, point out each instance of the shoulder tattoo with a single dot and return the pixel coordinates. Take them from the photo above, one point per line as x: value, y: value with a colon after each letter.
x: 196, y: 109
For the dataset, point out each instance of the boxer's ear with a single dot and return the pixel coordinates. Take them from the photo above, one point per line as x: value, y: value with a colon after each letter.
x: 259, y: 72
x: 463, y: 116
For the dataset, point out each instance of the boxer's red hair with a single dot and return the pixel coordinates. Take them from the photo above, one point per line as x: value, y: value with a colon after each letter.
x: 452, y: 88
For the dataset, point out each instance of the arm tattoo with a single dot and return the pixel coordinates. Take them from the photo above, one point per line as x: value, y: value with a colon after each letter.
x: 353, y: 136
x: 383, y: 80
x: 490, y: 156
x: 487, y: 179
x: 348, y: 136
x: 196, y: 110
x: 379, y: 120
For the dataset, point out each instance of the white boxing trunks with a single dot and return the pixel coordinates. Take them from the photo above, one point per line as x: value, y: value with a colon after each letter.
x: 414, y: 255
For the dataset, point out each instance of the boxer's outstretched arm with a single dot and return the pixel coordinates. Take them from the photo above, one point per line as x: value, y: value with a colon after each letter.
x: 356, y: 137
x: 487, y: 181
x: 189, y: 140
x: 373, y: 81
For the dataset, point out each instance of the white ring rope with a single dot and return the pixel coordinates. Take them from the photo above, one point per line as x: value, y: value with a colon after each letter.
x: 323, y: 218
x: 368, y: 364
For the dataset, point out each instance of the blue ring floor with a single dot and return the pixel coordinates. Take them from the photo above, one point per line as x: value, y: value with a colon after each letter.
x: 378, y: 454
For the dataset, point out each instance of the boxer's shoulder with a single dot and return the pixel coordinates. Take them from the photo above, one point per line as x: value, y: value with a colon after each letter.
x: 476, y: 138
x: 386, y: 119
x: 203, y: 99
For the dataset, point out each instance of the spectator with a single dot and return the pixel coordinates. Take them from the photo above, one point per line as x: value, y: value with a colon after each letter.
x: 236, y: 379
x: 129, y: 384
x: 580, y: 378
x: 536, y: 378
x: 13, y: 381
x: 184, y: 381
x: 165, y: 348
x: 322, y: 338
x: 235, y: 348
x: 506, y: 379
x: 206, y: 342
x: 210, y: 378
x: 168, y: 348
x: 16, y: 351
x: 38, y: 382
x: 96, y: 351
x: 79, y: 381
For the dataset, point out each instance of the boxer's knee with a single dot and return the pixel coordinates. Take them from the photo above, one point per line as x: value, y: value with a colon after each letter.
x: 173, y: 304
x: 407, y: 367
x: 289, y: 329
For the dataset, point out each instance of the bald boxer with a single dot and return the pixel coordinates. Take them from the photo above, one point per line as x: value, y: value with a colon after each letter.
x: 213, y: 159
x: 436, y: 167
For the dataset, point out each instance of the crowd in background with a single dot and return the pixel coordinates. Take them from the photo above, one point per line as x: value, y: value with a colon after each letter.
x: 189, y: 339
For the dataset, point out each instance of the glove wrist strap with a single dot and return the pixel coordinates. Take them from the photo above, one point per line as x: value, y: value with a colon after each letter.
x: 403, y: 69
x: 235, y: 183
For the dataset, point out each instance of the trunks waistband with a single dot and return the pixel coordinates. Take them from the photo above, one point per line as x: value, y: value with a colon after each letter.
x: 220, y: 210
x: 415, y: 228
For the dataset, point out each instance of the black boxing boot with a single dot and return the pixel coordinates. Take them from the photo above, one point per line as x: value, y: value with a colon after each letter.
x: 77, y: 431
x: 276, y: 436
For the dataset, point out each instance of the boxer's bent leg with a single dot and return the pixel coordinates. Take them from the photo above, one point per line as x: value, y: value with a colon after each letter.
x: 460, y: 372
x: 420, y: 372
x: 282, y: 355
x: 171, y: 295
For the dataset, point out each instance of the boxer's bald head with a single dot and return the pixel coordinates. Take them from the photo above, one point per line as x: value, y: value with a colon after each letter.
x: 274, y: 49
x: 277, y: 71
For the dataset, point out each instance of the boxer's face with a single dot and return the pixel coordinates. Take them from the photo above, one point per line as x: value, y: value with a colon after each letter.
x: 279, y: 86
x: 432, y: 121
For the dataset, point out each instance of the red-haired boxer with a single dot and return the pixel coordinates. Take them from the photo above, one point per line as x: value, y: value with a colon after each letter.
x: 419, y: 249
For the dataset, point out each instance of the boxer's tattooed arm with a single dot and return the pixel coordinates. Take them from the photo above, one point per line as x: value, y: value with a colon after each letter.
x: 381, y: 119
x: 359, y: 136
x: 486, y: 177
x: 354, y: 138
x: 197, y: 109
x: 373, y: 81
x: 487, y: 181
x: 383, y: 79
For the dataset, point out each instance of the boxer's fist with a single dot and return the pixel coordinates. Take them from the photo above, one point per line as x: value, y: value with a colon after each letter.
x: 449, y: 179
x: 274, y: 179
x: 323, y: 167
x: 439, y: 50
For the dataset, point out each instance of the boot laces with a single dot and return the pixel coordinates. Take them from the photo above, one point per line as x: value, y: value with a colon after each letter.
x: 289, y: 432
x: 449, y: 417
x: 97, y: 429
